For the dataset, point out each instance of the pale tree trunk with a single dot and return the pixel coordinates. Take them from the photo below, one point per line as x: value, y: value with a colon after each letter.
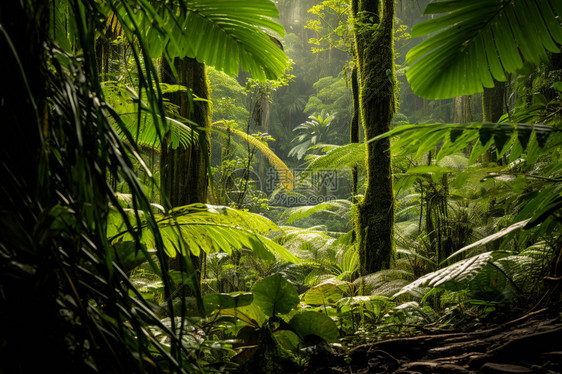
x: 375, y: 57
x: 461, y: 109
x: 492, y: 110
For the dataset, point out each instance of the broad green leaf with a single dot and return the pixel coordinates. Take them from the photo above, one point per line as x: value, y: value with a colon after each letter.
x: 216, y: 301
x: 275, y: 295
x: 228, y: 35
x: 475, y: 41
x: 251, y: 314
x: 129, y: 256
x: 315, y: 323
x: 326, y: 293
x: 288, y: 340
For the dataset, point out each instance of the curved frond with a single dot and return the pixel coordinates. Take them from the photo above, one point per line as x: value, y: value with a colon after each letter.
x: 490, y: 238
x: 454, y: 276
x: 124, y: 100
x: 337, y: 157
x: 205, y: 228
x: 517, y: 137
x: 286, y: 179
x: 478, y: 41
x: 306, y: 211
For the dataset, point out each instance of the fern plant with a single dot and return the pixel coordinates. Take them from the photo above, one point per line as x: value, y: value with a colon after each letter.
x: 200, y: 228
x: 310, y: 133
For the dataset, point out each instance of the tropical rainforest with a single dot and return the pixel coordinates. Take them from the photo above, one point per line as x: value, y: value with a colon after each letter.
x: 289, y: 186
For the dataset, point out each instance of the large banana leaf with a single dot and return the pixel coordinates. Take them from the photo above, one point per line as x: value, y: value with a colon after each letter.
x: 226, y: 34
x: 199, y: 227
x: 478, y: 41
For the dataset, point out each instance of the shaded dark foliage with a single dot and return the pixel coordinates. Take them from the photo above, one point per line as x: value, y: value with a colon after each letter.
x: 65, y: 302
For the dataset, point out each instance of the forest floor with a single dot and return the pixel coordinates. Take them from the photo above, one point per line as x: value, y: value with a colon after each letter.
x: 529, y: 344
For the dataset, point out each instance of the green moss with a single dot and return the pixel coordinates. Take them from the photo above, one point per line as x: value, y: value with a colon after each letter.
x: 375, y: 55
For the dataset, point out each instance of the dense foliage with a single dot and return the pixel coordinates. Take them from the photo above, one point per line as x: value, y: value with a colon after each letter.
x: 99, y: 274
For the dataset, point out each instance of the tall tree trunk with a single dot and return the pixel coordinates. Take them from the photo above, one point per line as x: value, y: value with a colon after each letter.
x: 183, y: 170
x: 354, y: 131
x: 461, y: 109
x: 493, y: 102
x: 492, y: 110
x: 375, y: 55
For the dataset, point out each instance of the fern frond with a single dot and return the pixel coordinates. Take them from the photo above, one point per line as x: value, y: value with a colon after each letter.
x: 489, y: 239
x: 455, y: 276
x: 294, y: 214
x: 197, y: 228
x: 339, y: 157
x: 384, y: 283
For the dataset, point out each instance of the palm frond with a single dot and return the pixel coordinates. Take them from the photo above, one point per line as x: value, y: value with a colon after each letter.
x: 205, y: 228
x: 419, y: 139
x: 455, y: 276
x: 228, y: 35
x: 286, y: 178
x: 480, y: 41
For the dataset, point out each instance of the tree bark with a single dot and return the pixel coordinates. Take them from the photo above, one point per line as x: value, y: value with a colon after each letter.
x: 354, y: 132
x: 492, y: 110
x: 375, y: 56
x: 183, y: 170
x: 462, y: 112
x: 493, y: 102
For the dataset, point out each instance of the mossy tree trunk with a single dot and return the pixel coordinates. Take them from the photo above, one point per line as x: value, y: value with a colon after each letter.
x: 183, y: 170
x: 354, y: 132
x: 375, y: 62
